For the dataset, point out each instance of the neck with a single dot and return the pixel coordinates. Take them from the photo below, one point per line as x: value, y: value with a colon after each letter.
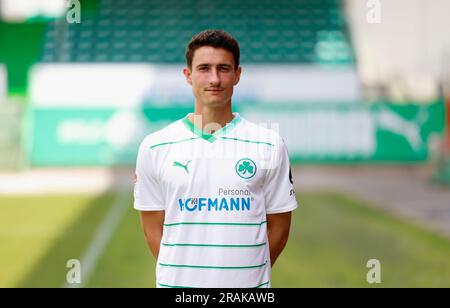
x: 211, y: 119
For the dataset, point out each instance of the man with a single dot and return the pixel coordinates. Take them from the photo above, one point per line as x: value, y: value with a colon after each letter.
x: 214, y: 190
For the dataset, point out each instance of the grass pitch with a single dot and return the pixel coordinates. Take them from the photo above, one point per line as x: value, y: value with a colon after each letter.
x: 332, y: 238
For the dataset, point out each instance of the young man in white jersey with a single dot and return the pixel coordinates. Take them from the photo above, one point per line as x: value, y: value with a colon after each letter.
x: 214, y: 190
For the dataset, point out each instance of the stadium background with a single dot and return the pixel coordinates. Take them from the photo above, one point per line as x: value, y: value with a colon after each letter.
x: 358, y: 90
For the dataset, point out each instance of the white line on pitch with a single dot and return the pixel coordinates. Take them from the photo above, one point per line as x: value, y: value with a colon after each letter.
x: 101, y: 239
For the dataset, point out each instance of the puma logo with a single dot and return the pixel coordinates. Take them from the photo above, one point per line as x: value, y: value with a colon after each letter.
x: 178, y: 164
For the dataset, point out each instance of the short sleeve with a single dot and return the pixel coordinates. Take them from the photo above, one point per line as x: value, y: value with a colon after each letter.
x: 278, y: 186
x: 147, y: 190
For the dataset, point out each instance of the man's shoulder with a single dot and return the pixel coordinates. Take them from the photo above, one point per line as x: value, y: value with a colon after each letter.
x: 165, y: 134
x: 265, y: 132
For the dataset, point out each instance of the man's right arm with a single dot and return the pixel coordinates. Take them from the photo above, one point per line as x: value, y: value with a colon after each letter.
x: 152, y: 224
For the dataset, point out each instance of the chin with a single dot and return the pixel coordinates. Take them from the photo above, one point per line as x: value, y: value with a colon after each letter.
x: 214, y: 102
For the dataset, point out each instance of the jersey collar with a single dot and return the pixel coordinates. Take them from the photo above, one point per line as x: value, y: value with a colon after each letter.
x: 211, y: 137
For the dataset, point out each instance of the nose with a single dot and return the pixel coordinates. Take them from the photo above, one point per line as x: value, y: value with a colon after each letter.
x: 214, y: 78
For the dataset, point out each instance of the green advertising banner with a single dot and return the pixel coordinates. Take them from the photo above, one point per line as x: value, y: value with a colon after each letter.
x: 336, y: 133
x: 92, y: 137
x: 355, y: 132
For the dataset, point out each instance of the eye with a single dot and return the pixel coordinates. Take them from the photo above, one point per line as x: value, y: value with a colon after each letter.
x: 203, y: 68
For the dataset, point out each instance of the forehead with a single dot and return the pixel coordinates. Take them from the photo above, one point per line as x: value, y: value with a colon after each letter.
x: 213, y: 56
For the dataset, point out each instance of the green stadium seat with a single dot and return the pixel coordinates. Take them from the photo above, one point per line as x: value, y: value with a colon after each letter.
x: 157, y: 31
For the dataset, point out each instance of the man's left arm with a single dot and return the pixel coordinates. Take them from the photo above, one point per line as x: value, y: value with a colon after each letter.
x: 280, y: 200
x: 278, y: 226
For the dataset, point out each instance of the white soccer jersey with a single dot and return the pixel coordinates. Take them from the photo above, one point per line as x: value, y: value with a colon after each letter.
x: 216, y: 191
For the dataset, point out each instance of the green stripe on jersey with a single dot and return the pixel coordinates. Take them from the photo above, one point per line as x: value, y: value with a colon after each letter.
x: 171, y: 286
x: 248, y: 141
x: 172, y: 142
x: 214, y: 267
x: 215, y: 223
x: 216, y: 245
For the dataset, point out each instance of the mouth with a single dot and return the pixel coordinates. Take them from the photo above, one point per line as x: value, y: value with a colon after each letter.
x: 216, y: 90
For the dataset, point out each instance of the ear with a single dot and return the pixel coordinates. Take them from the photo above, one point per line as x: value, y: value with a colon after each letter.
x: 238, y: 75
x: 187, y: 74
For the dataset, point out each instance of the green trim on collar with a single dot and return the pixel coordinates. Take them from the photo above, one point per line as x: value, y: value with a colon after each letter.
x: 211, y: 137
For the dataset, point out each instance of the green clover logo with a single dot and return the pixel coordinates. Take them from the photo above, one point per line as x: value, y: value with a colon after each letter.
x: 245, y: 168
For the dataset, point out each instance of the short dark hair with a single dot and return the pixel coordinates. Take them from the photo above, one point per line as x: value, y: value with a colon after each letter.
x: 213, y: 38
